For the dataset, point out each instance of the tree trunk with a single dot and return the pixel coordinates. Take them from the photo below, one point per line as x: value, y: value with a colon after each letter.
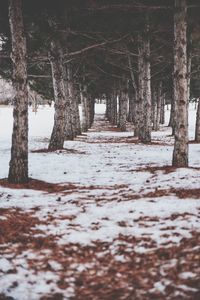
x: 145, y: 137
x: 123, y: 101
x: 91, y: 109
x: 172, y: 116
x: 131, y: 106
x: 59, y: 86
x: 162, y: 112
x: 197, y: 130
x: 158, y: 111
x: 108, y: 107
x: 180, y: 154
x: 77, y: 114
x: 84, y: 107
x: 71, y: 109
x: 140, y: 105
x: 18, y: 171
x: 113, y: 117
x: 154, y: 108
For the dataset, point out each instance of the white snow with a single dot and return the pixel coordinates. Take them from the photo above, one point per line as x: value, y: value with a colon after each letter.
x: 112, y: 198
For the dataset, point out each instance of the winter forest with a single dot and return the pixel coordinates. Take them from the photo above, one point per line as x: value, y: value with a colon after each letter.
x: 99, y: 149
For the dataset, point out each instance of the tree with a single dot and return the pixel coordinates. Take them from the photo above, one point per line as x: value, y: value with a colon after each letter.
x: 18, y: 171
x: 180, y: 154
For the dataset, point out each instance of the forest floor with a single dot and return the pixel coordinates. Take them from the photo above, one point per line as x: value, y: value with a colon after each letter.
x: 107, y: 218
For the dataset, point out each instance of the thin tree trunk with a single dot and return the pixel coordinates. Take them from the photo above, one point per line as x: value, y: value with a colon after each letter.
x: 131, y: 106
x: 162, y: 112
x: 113, y: 118
x: 77, y: 114
x: 154, y: 108
x: 159, y: 100
x: 108, y: 107
x: 180, y: 153
x: 172, y: 116
x: 59, y: 86
x: 123, y: 102
x: 197, y: 130
x: 84, y: 107
x: 145, y: 137
x: 139, y: 121
x: 18, y: 171
x: 70, y: 127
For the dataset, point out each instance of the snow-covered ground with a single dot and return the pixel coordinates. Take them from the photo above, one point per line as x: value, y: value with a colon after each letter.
x: 124, y: 218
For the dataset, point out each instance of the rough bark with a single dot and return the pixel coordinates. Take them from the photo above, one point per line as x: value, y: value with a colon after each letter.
x: 71, y: 109
x: 57, y: 67
x: 113, y: 117
x: 131, y: 106
x: 162, y: 112
x: 18, y: 171
x: 123, y: 102
x: 180, y: 153
x: 158, y: 106
x: 84, y: 108
x: 197, y: 129
x: 172, y: 116
x: 145, y: 136
x: 132, y: 95
x: 154, y: 108
x: 108, y: 107
x: 76, y: 105
x: 140, y: 104
x: 91, y: 108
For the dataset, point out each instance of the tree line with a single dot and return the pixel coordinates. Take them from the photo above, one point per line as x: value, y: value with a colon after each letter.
x: 138, y: 55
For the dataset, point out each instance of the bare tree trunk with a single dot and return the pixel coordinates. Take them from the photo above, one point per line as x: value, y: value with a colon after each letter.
x: 158, y: 111
x: 139, y: 122
x: 162, y: 112
x: 18, y: 171
x: 91, y: 109
x: 84, y: 107
x: 70, y: 127
x: 123, y: 101
x: 59, y: 86
x: 172, y: 116
x: 76, y: 107
x: 197, y: 130
x: 108, y: 107
x: 146, y: 129
x: 180, y: 154
x: 154, y: 108
x: 113, y: 117
x: 131, y: 106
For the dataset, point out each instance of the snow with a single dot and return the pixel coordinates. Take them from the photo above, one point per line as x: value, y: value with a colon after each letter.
x: 114, y: 197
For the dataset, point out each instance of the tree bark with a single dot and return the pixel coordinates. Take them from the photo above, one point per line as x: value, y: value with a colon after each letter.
x: 162, y: 112
x: 84, y: 107
x: 158, y: 107
x: 18, y: 171
x: 154, y: 107
x: 180, y: 153
x: 140, y: 105
x: 123, y: 102
x: 71, y: 109
x: 145, y: 137
x: 76, y: 107
x: 59, y: 86
x: 197, y: 130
